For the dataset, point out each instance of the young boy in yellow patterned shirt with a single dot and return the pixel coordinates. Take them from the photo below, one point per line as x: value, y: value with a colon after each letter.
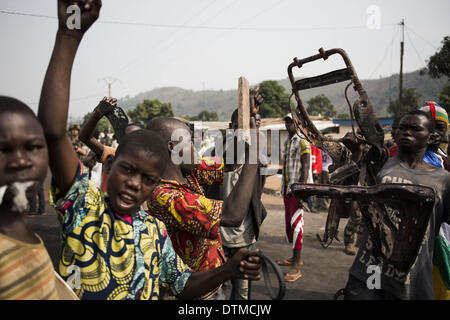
x: 112, y: 248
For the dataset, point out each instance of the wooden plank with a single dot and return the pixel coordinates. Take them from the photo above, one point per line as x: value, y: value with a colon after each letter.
x: 243, y: 104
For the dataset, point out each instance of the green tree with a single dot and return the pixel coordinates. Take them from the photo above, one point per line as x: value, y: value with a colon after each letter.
x: 320, y: 105
x: 444, y: 98
x: 276, y: 100
x: 439, y: 63
x: 410, y: 101
x: 205, y: 115
x: 150, y: 109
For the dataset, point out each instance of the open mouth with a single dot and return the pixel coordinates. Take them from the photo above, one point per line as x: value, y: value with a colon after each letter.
x: 126, y: 201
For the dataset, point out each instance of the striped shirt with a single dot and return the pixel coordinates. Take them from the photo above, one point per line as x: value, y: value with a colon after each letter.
x: 26, y: 271
x: 294, y: 148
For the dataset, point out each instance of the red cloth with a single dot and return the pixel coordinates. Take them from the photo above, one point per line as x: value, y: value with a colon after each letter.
x: 191, y: 219
x: 293, y: 216
x: 316, y: 159
x: 393, y: 151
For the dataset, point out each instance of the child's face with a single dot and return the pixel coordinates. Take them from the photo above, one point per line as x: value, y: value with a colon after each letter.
x: 441, y: 130
x: 131, y: 181
x: 23, y: 151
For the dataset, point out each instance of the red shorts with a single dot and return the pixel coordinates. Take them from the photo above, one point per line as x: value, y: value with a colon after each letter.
x: 294, y: 221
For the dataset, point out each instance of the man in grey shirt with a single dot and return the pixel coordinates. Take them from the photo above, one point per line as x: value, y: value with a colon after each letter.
x: 245, y: 235
x: 413, y: 136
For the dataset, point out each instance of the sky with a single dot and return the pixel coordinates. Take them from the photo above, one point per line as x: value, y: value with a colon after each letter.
x: 140, y: 45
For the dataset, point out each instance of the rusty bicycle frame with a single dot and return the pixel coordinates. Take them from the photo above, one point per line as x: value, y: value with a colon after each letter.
x: 362, y: 110
x: 396, y: 241
x: 343, y: 170
x: 345, y: 174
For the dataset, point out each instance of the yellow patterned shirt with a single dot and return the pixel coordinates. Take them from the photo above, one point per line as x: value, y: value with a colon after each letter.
x: 104, y: 256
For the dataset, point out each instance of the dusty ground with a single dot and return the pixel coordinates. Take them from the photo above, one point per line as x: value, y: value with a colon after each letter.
x: 325, y: 271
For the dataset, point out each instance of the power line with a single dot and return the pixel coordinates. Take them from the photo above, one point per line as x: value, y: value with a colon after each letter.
x: 165, y: 41
x: 200, y: 27
x: 419, y: 36
x: 389, y: 46
x: 418, y: 55
x: 74, y: 99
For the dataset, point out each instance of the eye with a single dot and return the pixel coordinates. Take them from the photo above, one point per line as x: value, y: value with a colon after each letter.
x: 126, y: 169
x: 34, y: 147
x: 4, y: 149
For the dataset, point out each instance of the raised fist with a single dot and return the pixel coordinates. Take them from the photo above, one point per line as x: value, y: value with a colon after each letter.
x: 256, y: 100
x: 76, y: 16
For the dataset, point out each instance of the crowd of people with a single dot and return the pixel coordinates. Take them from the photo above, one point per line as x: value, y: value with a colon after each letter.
x: 138, y: 225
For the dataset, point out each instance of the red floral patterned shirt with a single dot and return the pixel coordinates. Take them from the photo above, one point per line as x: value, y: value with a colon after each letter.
x: 191, y: 219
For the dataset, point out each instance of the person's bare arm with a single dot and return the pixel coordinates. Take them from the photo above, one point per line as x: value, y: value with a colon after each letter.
x: 256, y: 100
x: 304, y: 170
x: 235, y: 206
x: 54, y: 100
x: 244, y: 264
x: 87, y: 131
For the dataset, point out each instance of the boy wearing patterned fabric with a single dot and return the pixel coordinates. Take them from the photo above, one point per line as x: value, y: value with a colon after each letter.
x: 435, y: 155
x: 26, y: 271
x: 112, y: 248
x: 192, y: 219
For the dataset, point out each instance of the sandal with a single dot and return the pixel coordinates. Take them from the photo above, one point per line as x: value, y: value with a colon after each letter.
x: 284, y: 262
x: 292, y: 277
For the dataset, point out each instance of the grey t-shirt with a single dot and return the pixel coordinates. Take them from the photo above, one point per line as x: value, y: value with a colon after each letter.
x: 418, y: 283
x: 244, y: 235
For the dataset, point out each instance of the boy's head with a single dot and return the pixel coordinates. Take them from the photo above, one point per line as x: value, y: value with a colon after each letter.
x: 138, y: 165
x: 440, y: 117
x: 132, y: 127
x: 178, y: 138
x: 74, y: 129
x: 395, y: 127
x: 23, y: 148
x: 415, y: 131
x: 289, y: 123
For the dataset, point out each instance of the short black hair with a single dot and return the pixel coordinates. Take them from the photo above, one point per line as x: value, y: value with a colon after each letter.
x: 166, y: 126
x: 431, y: 122
x: 147, y: 141
x: 12, y: 105
x: 134, y: 124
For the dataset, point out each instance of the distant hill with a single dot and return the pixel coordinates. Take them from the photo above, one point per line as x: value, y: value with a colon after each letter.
x: 188, y: 102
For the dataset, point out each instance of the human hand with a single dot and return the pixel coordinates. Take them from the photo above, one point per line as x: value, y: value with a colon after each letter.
x: 90, y: 160
x: 106, y: 106
x: 246, y: 264
x: 256, y: 100
x: 88, y: 11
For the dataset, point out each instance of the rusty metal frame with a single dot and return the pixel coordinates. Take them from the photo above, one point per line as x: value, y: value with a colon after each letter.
x: 414, y: 203
x: 362, y: 110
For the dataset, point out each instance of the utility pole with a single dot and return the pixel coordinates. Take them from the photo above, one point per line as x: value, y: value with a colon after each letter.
x: 402, y: 47
x: 109, y: 81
